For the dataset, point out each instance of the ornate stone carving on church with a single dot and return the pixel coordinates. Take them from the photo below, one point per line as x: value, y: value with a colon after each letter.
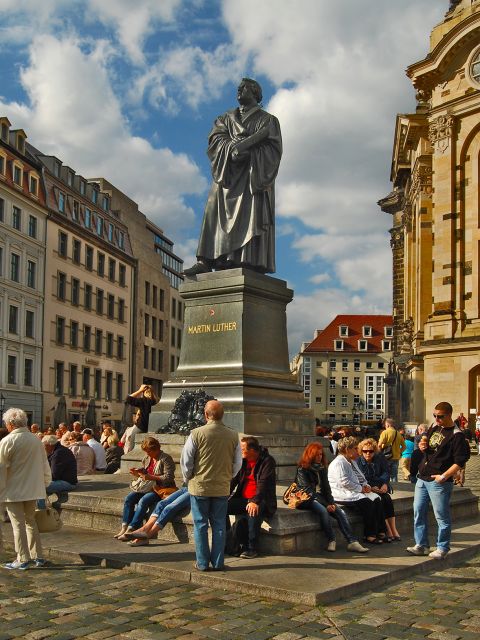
x: 396, y: 238
x: 406, y: 336
x: 440, y: 132
x: 188, y: 412
x: 421, y: 182
x: 407, y: 219
x: 423, y: 97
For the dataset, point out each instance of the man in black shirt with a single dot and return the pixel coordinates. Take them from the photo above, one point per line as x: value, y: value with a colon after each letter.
x: 445, y: 451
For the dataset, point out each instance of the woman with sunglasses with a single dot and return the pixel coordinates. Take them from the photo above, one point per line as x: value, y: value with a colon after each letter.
x: 374, y: 467
x: 350, y: 488
x: 312, y: 479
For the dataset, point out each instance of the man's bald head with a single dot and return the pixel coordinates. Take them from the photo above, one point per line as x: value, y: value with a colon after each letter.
x: 214, y: 410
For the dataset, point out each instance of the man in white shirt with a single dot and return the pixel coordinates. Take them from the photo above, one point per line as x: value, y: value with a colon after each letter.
x: 24, y: 474
x: 98, y: 450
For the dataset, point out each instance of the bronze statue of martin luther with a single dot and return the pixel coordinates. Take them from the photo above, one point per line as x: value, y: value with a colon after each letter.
x: 244, y: 148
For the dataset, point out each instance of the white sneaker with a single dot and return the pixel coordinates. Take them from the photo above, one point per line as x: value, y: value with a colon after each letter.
x: 332, y: 546
x: 356, y: 546
x: 438, y: 554
x: 418, y: 550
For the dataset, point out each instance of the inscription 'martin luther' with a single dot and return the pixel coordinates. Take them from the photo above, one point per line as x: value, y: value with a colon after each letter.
x: 212, y: 327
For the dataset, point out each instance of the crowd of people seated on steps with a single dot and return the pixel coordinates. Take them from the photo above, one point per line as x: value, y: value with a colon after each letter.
x: 225, y: 477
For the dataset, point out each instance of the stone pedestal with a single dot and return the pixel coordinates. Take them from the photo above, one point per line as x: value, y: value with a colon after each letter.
x: 235, y: 348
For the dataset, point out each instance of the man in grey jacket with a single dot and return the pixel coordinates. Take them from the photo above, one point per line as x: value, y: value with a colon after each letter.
x: 24, y: 474
x: 210, y: 459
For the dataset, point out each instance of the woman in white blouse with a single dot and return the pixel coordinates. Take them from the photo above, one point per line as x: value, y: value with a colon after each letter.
x: 350, y: 488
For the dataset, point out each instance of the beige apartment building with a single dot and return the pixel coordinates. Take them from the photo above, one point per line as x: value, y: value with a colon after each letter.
x: 435, y: 231
x: 88, y: 298
x: 158, y: 319
x: 343, y: 369
x: 23, y: 221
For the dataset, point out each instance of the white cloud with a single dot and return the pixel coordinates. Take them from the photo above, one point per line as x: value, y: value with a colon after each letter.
x: 320, y: 278
x: 188, y: 75
x: 134, y: 21
x: 88, y: 132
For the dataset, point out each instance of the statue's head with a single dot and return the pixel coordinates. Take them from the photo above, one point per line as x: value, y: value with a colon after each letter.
x: 254, y: 87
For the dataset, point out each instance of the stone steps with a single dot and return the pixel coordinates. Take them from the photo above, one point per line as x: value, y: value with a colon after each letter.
x: 97, y: 505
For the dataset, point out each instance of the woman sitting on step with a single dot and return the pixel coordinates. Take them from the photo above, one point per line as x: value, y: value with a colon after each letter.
x: 350, y: 488
x: 374, y: 466
x: 175, y: 505
x: 312, y: 473
x: 157, y: 471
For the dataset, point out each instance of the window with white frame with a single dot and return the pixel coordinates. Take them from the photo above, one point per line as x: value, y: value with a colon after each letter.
x: 333, y: 364
x: 17, y: 174
x: 338, y: 345
x: 331, y: 400
x: 386, y: 345
x: 362, y: 345
x: 332, y: 383
x: 356, y: 382
x: 344, y: 400
x: 367, y: 331
x: 344, y: 382
x: 343, y: 331
x: 356, y: 365
x: 345, y: 364
x: 388, y: 332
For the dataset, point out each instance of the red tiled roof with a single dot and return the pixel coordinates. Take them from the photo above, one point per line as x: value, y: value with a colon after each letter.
x: 325, y: 338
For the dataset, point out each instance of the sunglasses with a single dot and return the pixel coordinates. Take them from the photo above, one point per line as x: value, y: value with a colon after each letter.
x: 368, y: 451
x: 440, y: 416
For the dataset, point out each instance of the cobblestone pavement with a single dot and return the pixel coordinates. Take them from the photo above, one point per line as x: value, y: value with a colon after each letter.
x: 65, y: 601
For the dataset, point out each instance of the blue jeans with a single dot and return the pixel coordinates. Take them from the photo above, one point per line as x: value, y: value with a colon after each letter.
x: 339, y: 515
x: 438, y: 493
x: 393, y: 469
x: 56, y: 486
x: 237, y: 506
x: 136, y: 507
x: 214, y: 511
x: 168, y: 508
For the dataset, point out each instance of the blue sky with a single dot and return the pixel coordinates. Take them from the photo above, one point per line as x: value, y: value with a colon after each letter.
x: 129, y: 90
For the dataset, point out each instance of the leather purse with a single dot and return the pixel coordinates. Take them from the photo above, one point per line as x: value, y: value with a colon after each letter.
x: 294, y: 496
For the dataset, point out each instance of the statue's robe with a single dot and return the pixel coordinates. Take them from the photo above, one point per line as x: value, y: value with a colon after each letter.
x: 239, y: 219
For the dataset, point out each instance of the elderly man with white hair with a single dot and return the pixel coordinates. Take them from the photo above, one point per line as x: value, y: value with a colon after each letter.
x: 24, y: 474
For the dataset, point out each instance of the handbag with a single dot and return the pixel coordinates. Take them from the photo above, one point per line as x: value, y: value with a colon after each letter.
x: 294, y: 496
x: 48, y: 519
x: 164, y: 492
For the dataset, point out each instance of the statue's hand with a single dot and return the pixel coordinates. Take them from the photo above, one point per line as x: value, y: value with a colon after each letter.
x: 238, y: 156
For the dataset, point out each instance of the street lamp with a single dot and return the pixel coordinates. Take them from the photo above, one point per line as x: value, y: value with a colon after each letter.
x: 2, y: 407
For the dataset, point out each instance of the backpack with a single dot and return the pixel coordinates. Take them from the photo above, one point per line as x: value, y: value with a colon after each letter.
x: 237, y: 537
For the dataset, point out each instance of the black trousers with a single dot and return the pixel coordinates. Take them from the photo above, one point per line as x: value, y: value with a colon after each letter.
x: 236, y: 507
x: 372, y: 515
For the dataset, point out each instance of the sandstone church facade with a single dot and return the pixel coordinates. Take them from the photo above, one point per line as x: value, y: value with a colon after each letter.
x: 435, y: 235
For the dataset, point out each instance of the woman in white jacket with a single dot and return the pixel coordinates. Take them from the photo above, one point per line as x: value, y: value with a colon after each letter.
x: 350, y: 488
x: 24, y: 474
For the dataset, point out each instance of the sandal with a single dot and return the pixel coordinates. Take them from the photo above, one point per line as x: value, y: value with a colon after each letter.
x: 139, y: 542
x: 374, y: 541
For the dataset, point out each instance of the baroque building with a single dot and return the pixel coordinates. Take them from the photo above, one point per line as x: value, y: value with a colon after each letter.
x: 23, y: 224
x: 343, y: 369
x: 435, y: 233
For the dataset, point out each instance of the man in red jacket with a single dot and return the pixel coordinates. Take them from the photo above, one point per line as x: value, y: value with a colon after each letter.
x: 253, y: 491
